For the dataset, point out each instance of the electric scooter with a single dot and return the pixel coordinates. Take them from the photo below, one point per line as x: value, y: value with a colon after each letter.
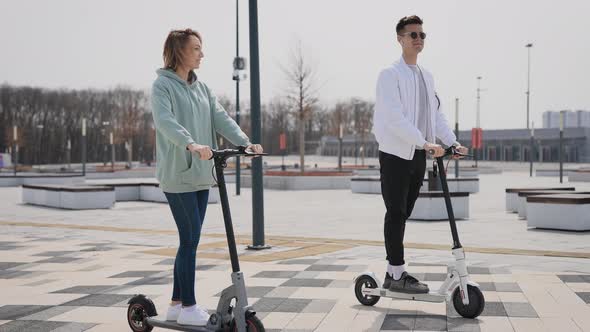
x: 467, y: 298
x: 142, y: 315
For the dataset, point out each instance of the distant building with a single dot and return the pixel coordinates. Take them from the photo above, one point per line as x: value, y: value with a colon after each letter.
x: 572, y: 119
x: 498, y: 144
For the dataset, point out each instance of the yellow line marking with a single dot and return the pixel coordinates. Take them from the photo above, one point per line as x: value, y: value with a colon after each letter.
x: 313, y: 244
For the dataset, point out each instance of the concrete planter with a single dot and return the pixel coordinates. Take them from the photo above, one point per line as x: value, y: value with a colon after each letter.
x: 431, y: 206
x: 581, y: 175
x: 293, y: 181
x: 564, y: 212
x: 372, y: 185
x: 365, y: 185
x: 470, y: 185
x: 552, y: 172
x: 152, y: 193
x: 73, y: 198
x: 35, y: 179
x: 512, y: 195
x: 367, y: 172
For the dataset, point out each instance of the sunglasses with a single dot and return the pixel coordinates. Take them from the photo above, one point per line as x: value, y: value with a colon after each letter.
x: 414, y: 35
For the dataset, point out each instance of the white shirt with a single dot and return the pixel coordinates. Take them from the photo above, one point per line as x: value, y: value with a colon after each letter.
x: 395, y: 119
x: 423, y: 110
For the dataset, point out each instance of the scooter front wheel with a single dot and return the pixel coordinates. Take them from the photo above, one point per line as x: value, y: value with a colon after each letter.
x: 139, y: 308
x: 363, y: 282
x: 476, y: 302
x: 253, y: 324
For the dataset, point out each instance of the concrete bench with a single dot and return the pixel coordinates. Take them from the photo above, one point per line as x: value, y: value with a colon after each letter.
x: 580, y: 175
x: 372, y: 185
x: 467, y: 184
x: 69, y: 197
x: 523, y: 195
x: 364, y: 172
x: 292, y: 181
x: 431, y: 206
x: 151, y: 192
x: 512, y: 195
x: 146, y: 190
x: 9, y: 180
x: 564, y: 211
x: 365, y: 185
x: 552, y: 172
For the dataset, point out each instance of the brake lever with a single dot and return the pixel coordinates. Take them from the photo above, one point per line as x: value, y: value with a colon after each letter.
x: 458, y: 154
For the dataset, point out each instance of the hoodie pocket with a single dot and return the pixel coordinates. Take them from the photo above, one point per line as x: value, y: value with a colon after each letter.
x: 189, y: 175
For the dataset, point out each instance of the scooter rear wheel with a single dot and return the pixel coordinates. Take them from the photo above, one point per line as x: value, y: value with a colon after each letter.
x: 363, y: 282
x: 253, y: 324
x: 476, y: 302
x: 139, y: 308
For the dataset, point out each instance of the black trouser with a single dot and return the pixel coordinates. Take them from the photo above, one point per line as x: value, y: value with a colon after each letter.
x: 400, y: 186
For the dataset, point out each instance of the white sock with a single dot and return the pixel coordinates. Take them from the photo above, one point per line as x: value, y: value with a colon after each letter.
x: 396, y: 270
x: 175, y: 305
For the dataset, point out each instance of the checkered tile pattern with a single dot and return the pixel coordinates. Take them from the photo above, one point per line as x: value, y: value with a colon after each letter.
x: 56, y: 284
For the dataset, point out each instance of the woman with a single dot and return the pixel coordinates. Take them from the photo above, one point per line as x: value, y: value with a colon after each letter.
x: 187, y: 117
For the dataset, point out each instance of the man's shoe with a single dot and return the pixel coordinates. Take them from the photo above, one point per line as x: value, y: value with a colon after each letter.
x: 408, y: 284
x: 387, y: 282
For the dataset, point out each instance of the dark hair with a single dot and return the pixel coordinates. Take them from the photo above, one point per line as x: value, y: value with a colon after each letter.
x: 174, y: 44
x: 405, y: 21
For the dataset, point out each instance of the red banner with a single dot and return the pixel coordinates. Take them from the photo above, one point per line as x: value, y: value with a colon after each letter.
x: 476, y: 138
x: 283, y: 141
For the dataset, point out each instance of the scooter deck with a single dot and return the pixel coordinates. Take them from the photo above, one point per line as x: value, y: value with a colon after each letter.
x: 427, y: 297
x: 156, y: 321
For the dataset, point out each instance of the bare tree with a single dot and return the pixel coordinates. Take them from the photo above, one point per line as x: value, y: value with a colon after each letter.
x: 301, y: 93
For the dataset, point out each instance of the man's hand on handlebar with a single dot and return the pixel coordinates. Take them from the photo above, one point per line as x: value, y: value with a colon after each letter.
x: 434, y: 150
x: 461, y: 150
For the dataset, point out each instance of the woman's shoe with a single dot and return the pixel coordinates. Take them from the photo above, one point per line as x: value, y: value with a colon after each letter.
x: 173, y: 312
x: 193, y: 315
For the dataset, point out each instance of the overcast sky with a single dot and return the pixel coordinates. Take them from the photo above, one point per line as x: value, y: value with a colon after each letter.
x: 105, y: 43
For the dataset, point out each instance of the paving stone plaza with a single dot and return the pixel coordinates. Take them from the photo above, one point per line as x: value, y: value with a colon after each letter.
x: 65, y: 270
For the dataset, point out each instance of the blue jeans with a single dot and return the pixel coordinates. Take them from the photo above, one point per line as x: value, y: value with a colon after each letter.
x: 188, y: 210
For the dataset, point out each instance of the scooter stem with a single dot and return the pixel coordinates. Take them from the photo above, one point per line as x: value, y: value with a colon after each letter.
x: 220, y: 163
x: 447, y: 196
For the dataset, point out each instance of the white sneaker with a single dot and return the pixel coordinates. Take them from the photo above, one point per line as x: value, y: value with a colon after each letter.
x: 193, y: 315
x: 173, y: 312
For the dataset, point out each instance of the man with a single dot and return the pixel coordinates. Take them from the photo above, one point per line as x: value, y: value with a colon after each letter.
x: 406, y: 123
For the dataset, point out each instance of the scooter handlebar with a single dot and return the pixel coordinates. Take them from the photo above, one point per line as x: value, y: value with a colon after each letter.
x: 450, y: 151
x: 240, y: 151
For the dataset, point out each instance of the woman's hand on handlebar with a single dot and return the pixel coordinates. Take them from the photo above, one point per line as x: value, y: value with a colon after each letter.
x: 204, y: 151
x: 256, y: 148
x: 434, y: 150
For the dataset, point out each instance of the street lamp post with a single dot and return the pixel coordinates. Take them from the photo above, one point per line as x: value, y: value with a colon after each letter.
x: 40, y: 127
x: 457, y: 134
x: 528, y: 84
x: 255, y: 121
x: 69, y: 154
x: 105, y: 155
x: 15, y: 148
x: 83, y: 146
x: 112, y: 141
x: 561, y: 146
x: 356, y: 126
x: 340, y: 146
x: 239, y: 66
x: 532, y: 150
x: 477, y: 119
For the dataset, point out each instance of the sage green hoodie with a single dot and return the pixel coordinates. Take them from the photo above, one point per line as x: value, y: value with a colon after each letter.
x: 186, y: 113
